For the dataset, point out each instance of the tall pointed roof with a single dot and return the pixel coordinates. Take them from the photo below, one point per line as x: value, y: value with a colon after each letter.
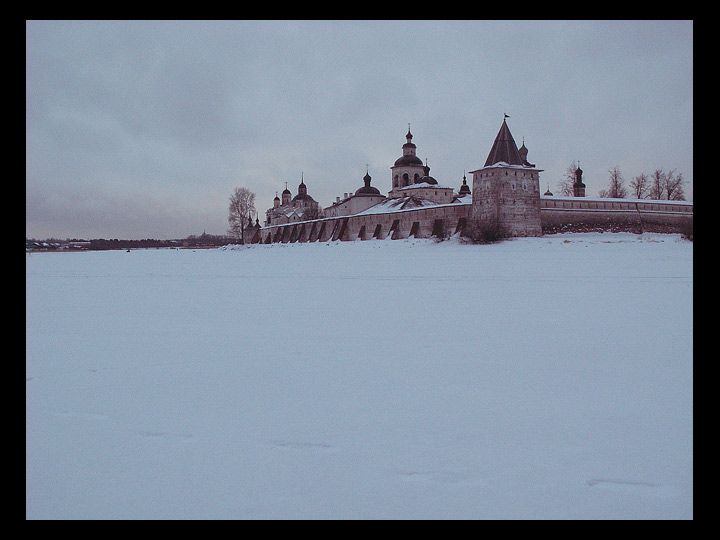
x: 504, y: 148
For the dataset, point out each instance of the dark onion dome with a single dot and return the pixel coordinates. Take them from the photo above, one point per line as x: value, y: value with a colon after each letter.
x: 367, y: 189
x: 408, y: 159
x: 302, y: 197
x: 276, y: 198
x: 578, y: 175
x: 464, y: 189
x: 408, y: 138
x: 286, y: 191
x: 302, y: 193
x: 426, y: 179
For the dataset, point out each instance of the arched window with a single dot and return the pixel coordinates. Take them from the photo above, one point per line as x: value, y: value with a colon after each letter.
x: 406, y: 179
x: 395, y: 181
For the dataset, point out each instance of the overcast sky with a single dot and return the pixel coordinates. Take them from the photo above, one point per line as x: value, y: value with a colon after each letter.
x: 142, y: 129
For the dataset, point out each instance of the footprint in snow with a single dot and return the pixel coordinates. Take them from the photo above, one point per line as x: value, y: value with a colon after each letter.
x: 634, y: 486
x: 304, y: 446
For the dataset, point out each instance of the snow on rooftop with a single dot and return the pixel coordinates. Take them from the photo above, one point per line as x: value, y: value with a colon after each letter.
x: 502, y: 164
x: 424, y: 185
x: 411, y: 202
x: 612, y: 199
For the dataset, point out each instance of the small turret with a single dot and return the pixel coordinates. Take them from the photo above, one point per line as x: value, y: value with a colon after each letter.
x: 367, y: 189
x: 464, y: 189
x: 578, y: 186
x: 286, y: 195
x: 302, y: 188
x: 523, y: 151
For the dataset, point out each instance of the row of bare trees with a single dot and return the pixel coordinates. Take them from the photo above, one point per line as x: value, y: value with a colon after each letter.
x: 659, y: 185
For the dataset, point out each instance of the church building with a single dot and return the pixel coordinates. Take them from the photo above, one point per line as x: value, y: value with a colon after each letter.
x: 364, y: 198
x: 302, y: 207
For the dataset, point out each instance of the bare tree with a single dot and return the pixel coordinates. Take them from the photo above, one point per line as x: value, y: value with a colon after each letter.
x: 565, y: 185
x: 616, y: 187
x: 673, y: 186
x: 242, y: 205
x: 640, y: 186
x: 657, y: 185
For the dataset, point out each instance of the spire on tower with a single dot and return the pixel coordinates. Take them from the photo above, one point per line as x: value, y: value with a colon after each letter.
x: 504, y: 148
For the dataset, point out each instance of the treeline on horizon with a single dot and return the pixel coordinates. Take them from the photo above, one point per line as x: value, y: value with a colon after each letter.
x: 203, y: 240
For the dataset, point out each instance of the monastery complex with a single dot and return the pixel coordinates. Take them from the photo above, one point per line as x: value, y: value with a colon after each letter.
x: 505, y: 191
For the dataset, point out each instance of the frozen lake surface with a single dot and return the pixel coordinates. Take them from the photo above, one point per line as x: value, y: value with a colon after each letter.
x: 545, y: 378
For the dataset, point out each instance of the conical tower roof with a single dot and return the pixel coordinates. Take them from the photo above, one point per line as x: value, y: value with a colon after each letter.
x: 504, y: 148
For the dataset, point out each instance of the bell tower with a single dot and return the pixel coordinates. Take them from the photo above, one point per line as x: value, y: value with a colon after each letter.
x: 407, y: 168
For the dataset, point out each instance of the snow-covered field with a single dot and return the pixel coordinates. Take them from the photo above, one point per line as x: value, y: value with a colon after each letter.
x: 536, y: 378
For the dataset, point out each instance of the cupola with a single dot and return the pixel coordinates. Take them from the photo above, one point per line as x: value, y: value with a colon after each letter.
x: 367, y: 189
x: 464, y: 189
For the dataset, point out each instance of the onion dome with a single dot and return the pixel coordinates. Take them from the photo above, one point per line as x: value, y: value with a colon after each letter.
x: 302, y: 191
x: 426, y: 179
x: 578, y: 175
x: 408, y: 157
x: 523, y: 151
x: 367, y: 189
x: 464, y: 189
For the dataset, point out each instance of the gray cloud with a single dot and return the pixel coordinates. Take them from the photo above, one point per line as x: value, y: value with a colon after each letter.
x: 160, y: 120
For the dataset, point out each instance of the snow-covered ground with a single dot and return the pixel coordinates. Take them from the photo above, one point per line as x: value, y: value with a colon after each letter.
x: 536, y: 378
